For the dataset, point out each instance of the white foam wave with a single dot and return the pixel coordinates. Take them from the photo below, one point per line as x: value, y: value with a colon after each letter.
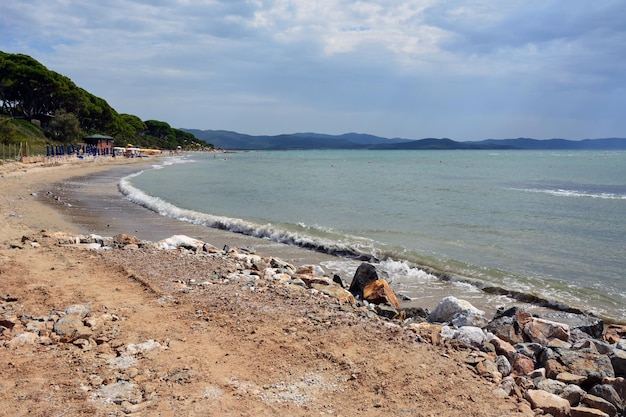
x: 267, y: 231
x: 574, y: 193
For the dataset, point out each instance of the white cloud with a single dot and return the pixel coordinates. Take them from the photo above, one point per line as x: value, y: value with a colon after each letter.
x: 399, y: 67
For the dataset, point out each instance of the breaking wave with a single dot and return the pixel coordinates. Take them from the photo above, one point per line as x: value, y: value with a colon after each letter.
x: 267, y: 231
x: 574, y: 193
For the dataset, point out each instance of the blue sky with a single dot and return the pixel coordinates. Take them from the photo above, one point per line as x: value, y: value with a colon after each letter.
x: 464, y: 70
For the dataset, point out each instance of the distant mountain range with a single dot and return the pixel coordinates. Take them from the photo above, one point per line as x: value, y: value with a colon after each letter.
x: 233, y: 140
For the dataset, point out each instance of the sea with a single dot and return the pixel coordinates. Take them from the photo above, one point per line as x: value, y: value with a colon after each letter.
x: 540, y: 227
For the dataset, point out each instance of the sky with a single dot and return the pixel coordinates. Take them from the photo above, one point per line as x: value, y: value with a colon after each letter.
x: 464, y: 69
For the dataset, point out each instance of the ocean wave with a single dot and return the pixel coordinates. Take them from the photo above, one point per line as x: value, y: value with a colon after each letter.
x: 559, y: 192
x: 235, y: 225
x: 395, y: 264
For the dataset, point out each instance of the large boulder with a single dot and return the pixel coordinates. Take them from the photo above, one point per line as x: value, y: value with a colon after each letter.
x: 457, y: 312
x: 364, y: 275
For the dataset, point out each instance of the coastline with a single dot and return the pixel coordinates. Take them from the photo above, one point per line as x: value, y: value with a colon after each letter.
x: 107, y: 325
x: 91, y: 202
x: 228, y: 348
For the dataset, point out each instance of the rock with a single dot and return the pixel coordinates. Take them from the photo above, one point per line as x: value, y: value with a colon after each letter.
x: 593, y: 366
x: 364, y: 275
x: 81, y: 310
x: 552, y: 386
x: 22, y: 339
x: 532, y: 350
x: 335, y: 291
x: 310, y: 270
x: 586, y: 412
x: 180, y: 241
x: 489, y: 370
x: 469, y: 336
x: 124, y: 239
x: 387, y: 311
x: 503, y: 348
x: 619, y: 384
x: 594, y: 346
x: 614, y: 333
x: 452, y: 309
x: 310, y: 279
x: 71, y: 328
x: 592, y: 326
x: 572, y: 393
x: 600, y: 404
x: 618, y: 360
x: 508, y: 386
x: 569, y: 378
x: 549, y: 403
x: 544, y: 331
x: 608, y: 393
x: 282, y: 265
x: 503, y: 365
x: 506, y: 328
x: 119, y: 392
x: 430, y: 332
x: 578, y: 336
x: 379, y: 292
x: 523, y: 365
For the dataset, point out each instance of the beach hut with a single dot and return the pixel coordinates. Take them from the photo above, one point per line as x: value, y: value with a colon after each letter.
x: 101, y: 144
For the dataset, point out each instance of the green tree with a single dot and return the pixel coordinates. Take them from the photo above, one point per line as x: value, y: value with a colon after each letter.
x: 8, y: 131
x: 64, y: 127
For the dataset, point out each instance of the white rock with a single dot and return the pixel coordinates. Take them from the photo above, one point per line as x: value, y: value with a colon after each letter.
x: 458, y: 312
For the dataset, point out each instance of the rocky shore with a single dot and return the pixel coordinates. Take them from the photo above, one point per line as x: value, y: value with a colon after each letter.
x: 561, y: 364
x: 112, y: 326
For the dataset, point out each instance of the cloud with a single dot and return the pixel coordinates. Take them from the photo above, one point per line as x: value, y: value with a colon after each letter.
x: 462, y: 69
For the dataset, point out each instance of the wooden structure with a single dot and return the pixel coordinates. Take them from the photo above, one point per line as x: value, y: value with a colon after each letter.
x: 101, y: 144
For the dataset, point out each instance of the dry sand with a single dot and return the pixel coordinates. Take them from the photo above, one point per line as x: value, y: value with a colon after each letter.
x: 220, y: 351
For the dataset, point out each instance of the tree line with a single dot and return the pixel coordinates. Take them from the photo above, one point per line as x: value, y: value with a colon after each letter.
x: 65, y: 112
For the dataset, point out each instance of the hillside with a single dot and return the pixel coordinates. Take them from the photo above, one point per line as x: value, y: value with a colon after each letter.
x: 233, y: 140
x: 40, y: 105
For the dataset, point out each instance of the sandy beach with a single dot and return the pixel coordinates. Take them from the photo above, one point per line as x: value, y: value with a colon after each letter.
x: 175, y: 348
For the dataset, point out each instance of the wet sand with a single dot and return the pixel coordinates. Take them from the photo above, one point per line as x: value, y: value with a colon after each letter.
x: 93, y: 204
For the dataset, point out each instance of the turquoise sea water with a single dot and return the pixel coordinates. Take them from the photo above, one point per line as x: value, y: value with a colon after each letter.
x: 551, y: 224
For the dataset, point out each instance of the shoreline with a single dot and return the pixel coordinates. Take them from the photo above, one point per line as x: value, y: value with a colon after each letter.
x: 120, y: 324
x: 82, y: 196
x: 92, y: 203
x: 168, y: 333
